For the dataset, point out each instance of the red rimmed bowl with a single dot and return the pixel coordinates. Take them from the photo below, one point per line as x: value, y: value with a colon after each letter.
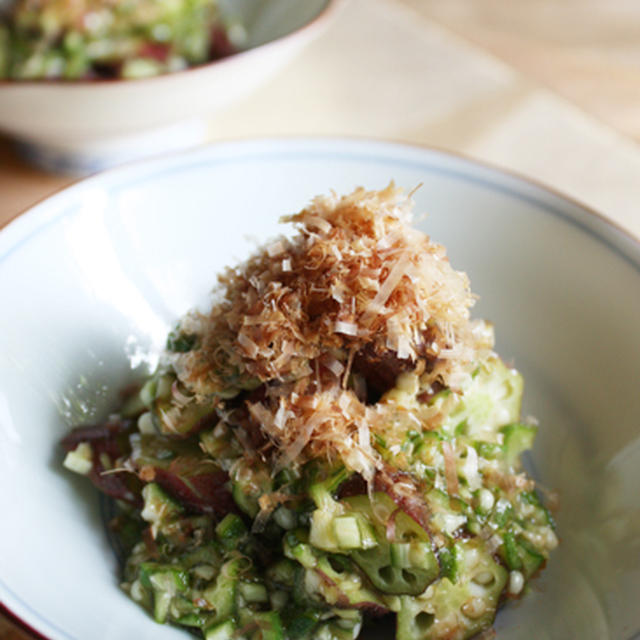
x: 85, y: 126
x: 92, y: 279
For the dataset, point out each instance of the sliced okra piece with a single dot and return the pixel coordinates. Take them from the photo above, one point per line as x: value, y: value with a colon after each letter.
x: 133, y: 406
x: 225, y: 630
x: 197, y: 619
x: 208, y: 554
x: 282, y: 573
x: 492, y: 400
x: 296, y: 547
x: 406, y: 565
x: 331, y: 528
x: 532, y: 560
x: 339, y: 583
x: 181, y: 468
x: 300, y: 623
x: 380, y: 510
x: 517, y: 439
x: 346, y: 530
x: 322, y: 493
x: 182, y: 605
x: 503, y: 512
x: 285, y: 518
x: 174, y: 409
x: 386, y: 575
x: 441, y: 502
x: 159, y: 507
x: 245, y: 500
x: 329, y: 578
x: 488, y: 450
x: 267, y: 625
x: 519, y: 555
x: 542, y: 514
x: 253, y: 592
x: 165, y: 582
x: 231, y: 530
x: 345, y: 625
x: 341, y: 533
x: 449, y: 558
x: 249, y: 483
x: 180, y: 341
x: 413, y: 621
x: 303, y: 596
x: 221, y: 595
x: 510, y: 552
x: 181, y: 421
x: 457, y: 609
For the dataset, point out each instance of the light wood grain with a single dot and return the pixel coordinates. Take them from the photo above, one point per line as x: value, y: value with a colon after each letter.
x: 21, y: 186
x: 8, y: 631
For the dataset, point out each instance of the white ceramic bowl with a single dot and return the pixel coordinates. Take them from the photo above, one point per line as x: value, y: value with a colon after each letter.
x: 91, y: 280
x: 85, y: 126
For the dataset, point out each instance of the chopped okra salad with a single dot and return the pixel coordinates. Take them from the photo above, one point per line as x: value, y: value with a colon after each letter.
x: 332, y: 442
x: 91, y: 39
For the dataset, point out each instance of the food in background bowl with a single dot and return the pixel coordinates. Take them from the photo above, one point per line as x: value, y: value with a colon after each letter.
x: 90, y: 39
x: 335, y: 440
x: 83, y: 126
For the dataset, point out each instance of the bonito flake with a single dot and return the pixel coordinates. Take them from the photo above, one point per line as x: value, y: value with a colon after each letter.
x: 324, y: 322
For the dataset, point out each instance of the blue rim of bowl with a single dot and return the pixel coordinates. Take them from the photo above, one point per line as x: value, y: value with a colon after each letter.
x: 583, y: 216
x: 608, y: 233
x: 313, y: 26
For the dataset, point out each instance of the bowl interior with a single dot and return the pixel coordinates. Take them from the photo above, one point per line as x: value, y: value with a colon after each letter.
x: 271, y: 20
x: 92, y: 280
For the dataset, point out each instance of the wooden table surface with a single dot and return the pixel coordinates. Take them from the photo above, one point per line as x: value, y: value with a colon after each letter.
x: 549, y: 89
x: 9, y: 631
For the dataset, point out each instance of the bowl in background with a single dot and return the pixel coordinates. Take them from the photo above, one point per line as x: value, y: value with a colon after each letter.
x: 84, y: 126
x: 92, y: 279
